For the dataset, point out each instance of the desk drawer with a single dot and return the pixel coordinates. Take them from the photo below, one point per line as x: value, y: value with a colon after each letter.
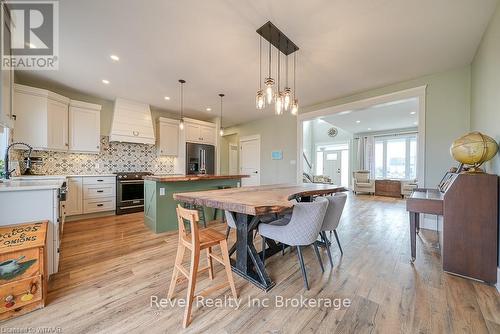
x: 98, y: 191
x: 98, y: 205
x: 99, y: 180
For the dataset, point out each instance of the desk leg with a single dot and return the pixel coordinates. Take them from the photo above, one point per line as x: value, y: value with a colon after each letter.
x: 248, y: 263
x: 414, y: 217
x: 417, y: 222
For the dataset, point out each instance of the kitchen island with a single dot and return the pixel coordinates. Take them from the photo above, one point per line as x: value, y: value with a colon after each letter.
x: 159, y: 204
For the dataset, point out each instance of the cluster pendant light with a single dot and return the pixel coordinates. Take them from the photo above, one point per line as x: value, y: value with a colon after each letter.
x: 221, y: 130
x: 181, y: 123
x: 286, y: 99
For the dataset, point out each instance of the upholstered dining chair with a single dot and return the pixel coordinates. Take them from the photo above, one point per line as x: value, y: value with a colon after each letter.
x: 331, y: 221
x: 302, y: 229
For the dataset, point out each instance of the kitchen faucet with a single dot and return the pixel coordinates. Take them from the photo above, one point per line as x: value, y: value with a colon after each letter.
x: 8, y: 172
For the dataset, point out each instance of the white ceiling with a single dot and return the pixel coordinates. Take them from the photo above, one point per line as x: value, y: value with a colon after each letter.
x: 388, y: 116
x: 346, y: 46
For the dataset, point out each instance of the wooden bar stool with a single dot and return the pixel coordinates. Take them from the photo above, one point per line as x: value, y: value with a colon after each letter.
x: 196, y: 241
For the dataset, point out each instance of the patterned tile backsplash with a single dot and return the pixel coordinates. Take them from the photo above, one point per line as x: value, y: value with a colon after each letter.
x: 113, y: 157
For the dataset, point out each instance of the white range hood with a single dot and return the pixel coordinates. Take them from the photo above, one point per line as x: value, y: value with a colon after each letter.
x: 132, y: 123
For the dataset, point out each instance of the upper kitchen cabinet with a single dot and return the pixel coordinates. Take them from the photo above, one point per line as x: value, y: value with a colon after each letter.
x: 168, y: 136
x: 84, y: 127
x: 41, y: 118
x: 6, y: 118
x: 200, y: 131
x: 132, y: 123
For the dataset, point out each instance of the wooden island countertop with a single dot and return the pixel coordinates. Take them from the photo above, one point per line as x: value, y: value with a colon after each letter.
x: 198, y: 177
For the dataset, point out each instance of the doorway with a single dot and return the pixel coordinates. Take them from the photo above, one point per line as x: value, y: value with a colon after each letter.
x: 233, y: 158
x: 250, y: 160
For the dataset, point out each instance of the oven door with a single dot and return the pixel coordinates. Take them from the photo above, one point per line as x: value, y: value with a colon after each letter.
x: 130, y: 193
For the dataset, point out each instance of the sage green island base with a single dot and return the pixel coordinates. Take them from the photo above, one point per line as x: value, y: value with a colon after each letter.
x: 159, y: 204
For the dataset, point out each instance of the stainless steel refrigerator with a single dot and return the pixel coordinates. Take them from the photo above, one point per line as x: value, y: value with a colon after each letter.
x: 200, y: 159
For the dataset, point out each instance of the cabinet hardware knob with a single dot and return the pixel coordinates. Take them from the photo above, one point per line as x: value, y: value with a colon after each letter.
x: 135, y: 133
x: 100, y: 204
x: 100, y: 191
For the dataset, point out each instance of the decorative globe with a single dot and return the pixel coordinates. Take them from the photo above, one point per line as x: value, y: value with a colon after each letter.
x: 474, y: 149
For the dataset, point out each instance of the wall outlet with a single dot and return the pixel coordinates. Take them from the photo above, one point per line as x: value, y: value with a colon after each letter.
x: 162, y: 191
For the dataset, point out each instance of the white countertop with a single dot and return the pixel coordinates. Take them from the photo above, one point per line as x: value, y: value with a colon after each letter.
x: 24, y: 185
x: 50, y: 177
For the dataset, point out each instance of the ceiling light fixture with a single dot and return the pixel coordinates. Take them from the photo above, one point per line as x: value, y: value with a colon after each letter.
x: 286, y: 99
x: 181, y: 123
x: 114, y: 57
x: 208, y: 109
x: 221, y: 130
x: 413, y: 113
x: 358, y: 122
x: 369, y: 129
x: 260, y: 101
x: 278, y: 96
x: 167, y: 98
x: 106, y: 82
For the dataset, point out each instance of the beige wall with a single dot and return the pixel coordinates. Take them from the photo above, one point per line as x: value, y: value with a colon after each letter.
x: 277, y: 133
x: 224, y: 151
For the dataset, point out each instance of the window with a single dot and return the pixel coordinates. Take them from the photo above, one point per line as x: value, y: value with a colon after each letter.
x: 396, y: 157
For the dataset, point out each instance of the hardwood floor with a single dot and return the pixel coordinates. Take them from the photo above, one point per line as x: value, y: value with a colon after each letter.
x: 110, y: 267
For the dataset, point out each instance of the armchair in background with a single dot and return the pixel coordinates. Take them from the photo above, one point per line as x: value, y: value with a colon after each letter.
x: 361, y: 182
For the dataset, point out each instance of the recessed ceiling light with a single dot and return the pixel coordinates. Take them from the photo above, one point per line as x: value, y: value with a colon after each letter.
x: 167, y: 98
x: 209, y: 109
x: 413, y: 113
x: 415, y: 123
x: 358, y: 122
x: 106, y: 82
x: 345, y: 112
x: 369, y: 129
x: 114, y: 57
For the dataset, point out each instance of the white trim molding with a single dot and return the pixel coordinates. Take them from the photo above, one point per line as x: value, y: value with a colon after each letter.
x: 326, y: 109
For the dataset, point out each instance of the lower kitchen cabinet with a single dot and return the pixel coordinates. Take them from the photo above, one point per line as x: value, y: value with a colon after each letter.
x: 90, y: 194
x: 74, y: 199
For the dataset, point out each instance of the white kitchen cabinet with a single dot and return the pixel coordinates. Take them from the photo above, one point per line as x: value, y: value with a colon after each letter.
x: 74, y: 200
x: 84, y: 127
x: 200, y: 132
x: 90, y: 194
x: 57, y: 125
x: 7, y: 76
x: 168, y: 136
x: 41, y: 118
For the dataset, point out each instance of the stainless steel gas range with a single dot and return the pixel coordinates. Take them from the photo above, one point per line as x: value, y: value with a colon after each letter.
x: 130, y: 192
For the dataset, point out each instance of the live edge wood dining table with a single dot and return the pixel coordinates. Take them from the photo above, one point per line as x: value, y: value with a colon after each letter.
x: 249, y: 205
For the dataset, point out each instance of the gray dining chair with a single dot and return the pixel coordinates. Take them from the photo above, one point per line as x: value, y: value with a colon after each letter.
x: 331, y: 221
x: 231, y: 223
x: 302, y: 230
